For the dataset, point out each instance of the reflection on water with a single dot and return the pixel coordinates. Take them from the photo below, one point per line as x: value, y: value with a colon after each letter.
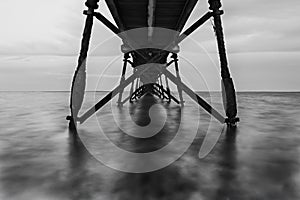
x: 41, y: 159
x: 169, y: 183
x: 227, y: 175
x: 140, y: 115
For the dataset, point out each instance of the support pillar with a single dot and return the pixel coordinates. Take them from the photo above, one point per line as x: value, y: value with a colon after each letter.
x: 79, y: 78
x: 132, y: 87
x: 125, y: 60
x: 137, y: 85
x: 228, y: 91
x: 195, y: 97
x: 168, y: 89
x: 175, y: 57
x: 161, y: 87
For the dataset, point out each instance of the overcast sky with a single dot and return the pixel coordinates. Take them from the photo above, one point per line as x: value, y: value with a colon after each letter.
x: 39, y: 43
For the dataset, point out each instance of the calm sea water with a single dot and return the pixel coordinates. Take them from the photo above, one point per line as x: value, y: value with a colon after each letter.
x: 40, y: 159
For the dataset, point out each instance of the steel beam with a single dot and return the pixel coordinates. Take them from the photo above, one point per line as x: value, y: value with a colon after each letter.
x: 79, y: 78
x: 175, y: 58
x: 107, y: 23
x: 228, y: 91
x: 186, y: 12
x: 194, y: 26
x: 106, y: 99
x: 126, y: 57
x: 195, y: 97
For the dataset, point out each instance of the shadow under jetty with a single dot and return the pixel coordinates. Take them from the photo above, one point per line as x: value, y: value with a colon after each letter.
x: 172, y: 182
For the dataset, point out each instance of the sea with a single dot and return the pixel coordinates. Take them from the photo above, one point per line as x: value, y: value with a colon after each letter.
x: 42, y: 159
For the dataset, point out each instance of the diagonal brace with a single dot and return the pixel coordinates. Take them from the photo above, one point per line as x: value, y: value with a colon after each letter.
x: 194, y: 26
x: 107, y: 98
x: 170, y: 95
x: 194, y: 96
x: 106, y: 22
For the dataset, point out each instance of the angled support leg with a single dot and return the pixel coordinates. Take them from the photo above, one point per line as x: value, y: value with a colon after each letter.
x: 125, y: 100
x: 228, y: 91
x: 131, y: 89
x: 161, y: 87
x: 170, y: 96
x: 168, y: 89
x: 137, y: 83
x: 130, y: 93
x: 126, y: 57
x: 194, y: 96
x: 175, y: 57
x: 79, y: 78
x: 107, y: 98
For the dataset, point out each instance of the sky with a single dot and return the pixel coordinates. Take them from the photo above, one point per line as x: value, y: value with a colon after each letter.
x: 40, y: 40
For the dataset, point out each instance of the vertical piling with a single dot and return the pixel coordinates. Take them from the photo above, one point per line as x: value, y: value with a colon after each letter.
x: 79, y: 78
x: 168, y: 89
x: 175, y: 57
x: 228, y: 91
x: 125, y: 60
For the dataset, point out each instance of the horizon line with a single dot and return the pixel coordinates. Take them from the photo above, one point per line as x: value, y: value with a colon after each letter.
x: 249, y: 91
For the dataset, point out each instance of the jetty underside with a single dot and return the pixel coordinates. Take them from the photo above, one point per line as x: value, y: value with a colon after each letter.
x: 151, y: 32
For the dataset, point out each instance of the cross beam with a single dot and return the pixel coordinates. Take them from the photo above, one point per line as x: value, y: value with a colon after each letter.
x: 170, y: 76
x: 107, y: 98
x: 194, y: 96
x: 194, y: 26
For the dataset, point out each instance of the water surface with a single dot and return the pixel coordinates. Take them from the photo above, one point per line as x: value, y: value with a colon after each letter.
x: 41, y: 159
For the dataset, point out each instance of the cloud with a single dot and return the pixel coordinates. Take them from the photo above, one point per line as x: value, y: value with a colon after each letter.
x: 262, y: 38
x: 254, y: 26
x: 55, y: 27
